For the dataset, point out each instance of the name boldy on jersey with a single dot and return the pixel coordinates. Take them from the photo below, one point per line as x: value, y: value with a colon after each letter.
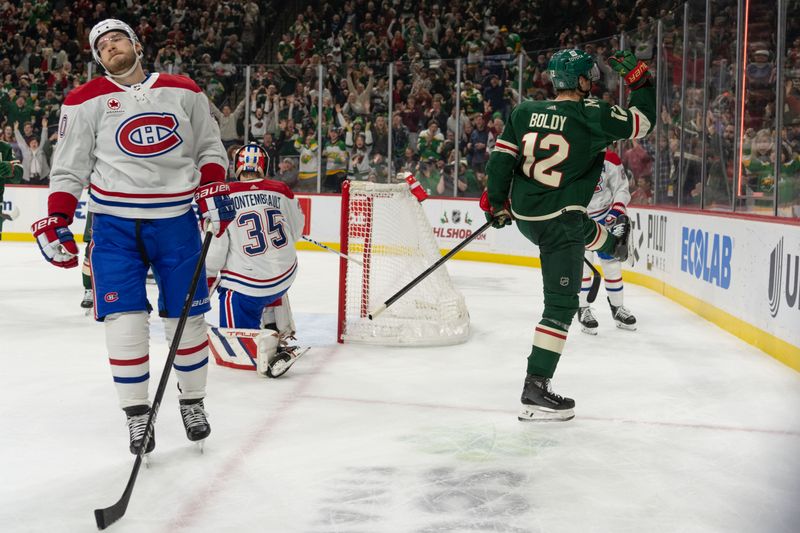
x: 256, y: 254
x: 142, y: 148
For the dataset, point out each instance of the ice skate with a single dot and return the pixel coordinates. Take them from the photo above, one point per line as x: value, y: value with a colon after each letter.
x: 282, y: 361
x: 88, y: 299
x: 137, y: 422
x: 540, y: 404
x: 587, y: 320
x: 623, y: 318
x: 621, y: 229
x: 195, y: 421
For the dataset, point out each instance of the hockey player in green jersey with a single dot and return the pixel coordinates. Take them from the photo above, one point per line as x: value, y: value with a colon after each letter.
x: 542, y: 173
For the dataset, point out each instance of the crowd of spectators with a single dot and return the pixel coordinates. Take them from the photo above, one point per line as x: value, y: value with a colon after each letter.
x: 502, y: 48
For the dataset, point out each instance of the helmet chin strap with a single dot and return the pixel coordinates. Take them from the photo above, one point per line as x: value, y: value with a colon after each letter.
x: 128, y: 72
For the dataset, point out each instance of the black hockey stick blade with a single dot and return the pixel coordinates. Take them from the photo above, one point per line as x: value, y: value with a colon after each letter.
x: 592, y: 296
x: 413, y: 283
x: 109, y: 515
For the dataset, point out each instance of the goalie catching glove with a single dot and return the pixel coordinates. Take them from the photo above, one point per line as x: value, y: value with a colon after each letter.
x: 633, y: 70
x: 56, y: 241
x: 215, y: 205
x: 499, y: 217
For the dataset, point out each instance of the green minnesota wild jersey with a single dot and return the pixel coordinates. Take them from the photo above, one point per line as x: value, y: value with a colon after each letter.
x: 550, y: 154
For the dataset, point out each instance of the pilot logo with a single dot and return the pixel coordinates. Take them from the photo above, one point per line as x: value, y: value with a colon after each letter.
x: 707, y: 256
x: 777, y: 266
x: 149, y: 134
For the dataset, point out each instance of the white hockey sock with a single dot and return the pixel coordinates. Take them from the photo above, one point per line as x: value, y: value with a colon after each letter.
x: 612, y: 273
x: 127, y: 342
x: 191, y: 361
x: 586, y: 282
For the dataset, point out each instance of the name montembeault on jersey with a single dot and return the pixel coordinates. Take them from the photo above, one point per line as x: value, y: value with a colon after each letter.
x: 242, y: 200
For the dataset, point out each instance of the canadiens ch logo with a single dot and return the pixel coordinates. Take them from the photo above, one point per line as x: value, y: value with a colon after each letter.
x: 111, y: 297
x: 113, y: 104
x: 149, y: 134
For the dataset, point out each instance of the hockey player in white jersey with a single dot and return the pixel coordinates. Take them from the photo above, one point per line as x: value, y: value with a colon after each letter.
x: 610, y: 200
x: 145, y: 145
x: 256, y: 262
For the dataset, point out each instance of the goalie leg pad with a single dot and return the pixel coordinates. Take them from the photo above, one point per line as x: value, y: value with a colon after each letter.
x: 268, y: 342
x: 127, y: 342
x: 191, y: 360
x: 279, y: 313
x: 234, y: 347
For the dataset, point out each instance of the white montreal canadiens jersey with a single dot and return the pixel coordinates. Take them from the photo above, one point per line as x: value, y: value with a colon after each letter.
x: 611, y: 191
x: 142, y: 148
x: 256, y: 255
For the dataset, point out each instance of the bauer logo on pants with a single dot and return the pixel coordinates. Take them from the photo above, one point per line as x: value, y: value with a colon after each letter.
x: 149, y: 134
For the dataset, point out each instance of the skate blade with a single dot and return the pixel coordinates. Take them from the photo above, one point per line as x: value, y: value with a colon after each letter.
x: 281, y: 367
x: 146, y: 460
x: 532, y: 413
x: 589, y: 331
x: 201, y: 446
x: 629, y: 327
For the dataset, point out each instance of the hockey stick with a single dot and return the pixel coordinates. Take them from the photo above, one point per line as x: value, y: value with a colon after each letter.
x: 109, y: 515
x: 592, y: 296
x: 340, y: 254
x: 430, y: 270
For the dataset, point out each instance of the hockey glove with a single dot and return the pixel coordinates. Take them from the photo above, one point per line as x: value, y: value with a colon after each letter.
x: 634, y: 71
x: 55, y: 241
x: 215, y: 205
x: 616, y: 211
x: 500, y: 217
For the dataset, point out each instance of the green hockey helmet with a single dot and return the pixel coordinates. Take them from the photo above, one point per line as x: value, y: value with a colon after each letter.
x: 566, y: 66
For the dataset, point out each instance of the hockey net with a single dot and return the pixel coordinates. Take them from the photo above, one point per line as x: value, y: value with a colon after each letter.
x: 385, y: 227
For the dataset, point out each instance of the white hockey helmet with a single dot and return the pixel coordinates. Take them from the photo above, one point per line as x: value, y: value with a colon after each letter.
x: 105, y: 26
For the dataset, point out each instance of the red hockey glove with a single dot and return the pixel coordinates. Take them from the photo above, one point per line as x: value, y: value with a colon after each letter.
x: 634, y: 71
x: 55, y: 241
x: 215, y: 205
x: 500, y: 217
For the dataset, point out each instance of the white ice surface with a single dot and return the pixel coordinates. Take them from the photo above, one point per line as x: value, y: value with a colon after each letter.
x: 680, y: 426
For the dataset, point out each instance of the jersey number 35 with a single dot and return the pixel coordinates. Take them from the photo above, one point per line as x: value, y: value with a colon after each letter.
x: 262, y: 227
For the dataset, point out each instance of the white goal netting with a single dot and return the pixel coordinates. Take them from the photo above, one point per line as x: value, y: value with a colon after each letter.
x: 385, y: 228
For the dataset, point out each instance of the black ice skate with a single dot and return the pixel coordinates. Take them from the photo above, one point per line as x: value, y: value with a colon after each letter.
x: 88, y: 299
x: 540, y: 404
x: 137, y: 422
x: 621, y: 229
x: 623, y: 318
x: 284, y: 358
x: 587, y: 320
x: 195, y: 420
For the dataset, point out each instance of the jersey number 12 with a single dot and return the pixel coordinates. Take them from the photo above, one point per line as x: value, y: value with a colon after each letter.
x: 541, y: 170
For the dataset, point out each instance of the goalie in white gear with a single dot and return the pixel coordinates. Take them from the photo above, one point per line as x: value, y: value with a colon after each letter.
x: 255, y: 263
x: 610, y: 200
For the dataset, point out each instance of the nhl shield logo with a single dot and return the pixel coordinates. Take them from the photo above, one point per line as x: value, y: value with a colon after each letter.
x: 149, y: 134
x: 564, y: 281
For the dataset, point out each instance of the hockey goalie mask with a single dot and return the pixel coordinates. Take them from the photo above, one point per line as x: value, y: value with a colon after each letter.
x: 251, y: 158
x: 106, y: 26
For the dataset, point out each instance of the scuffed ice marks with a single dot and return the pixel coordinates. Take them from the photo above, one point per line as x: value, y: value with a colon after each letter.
x: 479, y: 443
x: 447, y: 499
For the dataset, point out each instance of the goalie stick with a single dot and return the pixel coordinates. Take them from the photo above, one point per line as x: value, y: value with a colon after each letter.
x: 592, y: 296
x: 413, y: 283
x: 109, y: 515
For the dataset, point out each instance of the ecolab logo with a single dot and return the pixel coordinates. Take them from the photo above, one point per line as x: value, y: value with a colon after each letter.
x: 776, y: 278
x: 707, y: 256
